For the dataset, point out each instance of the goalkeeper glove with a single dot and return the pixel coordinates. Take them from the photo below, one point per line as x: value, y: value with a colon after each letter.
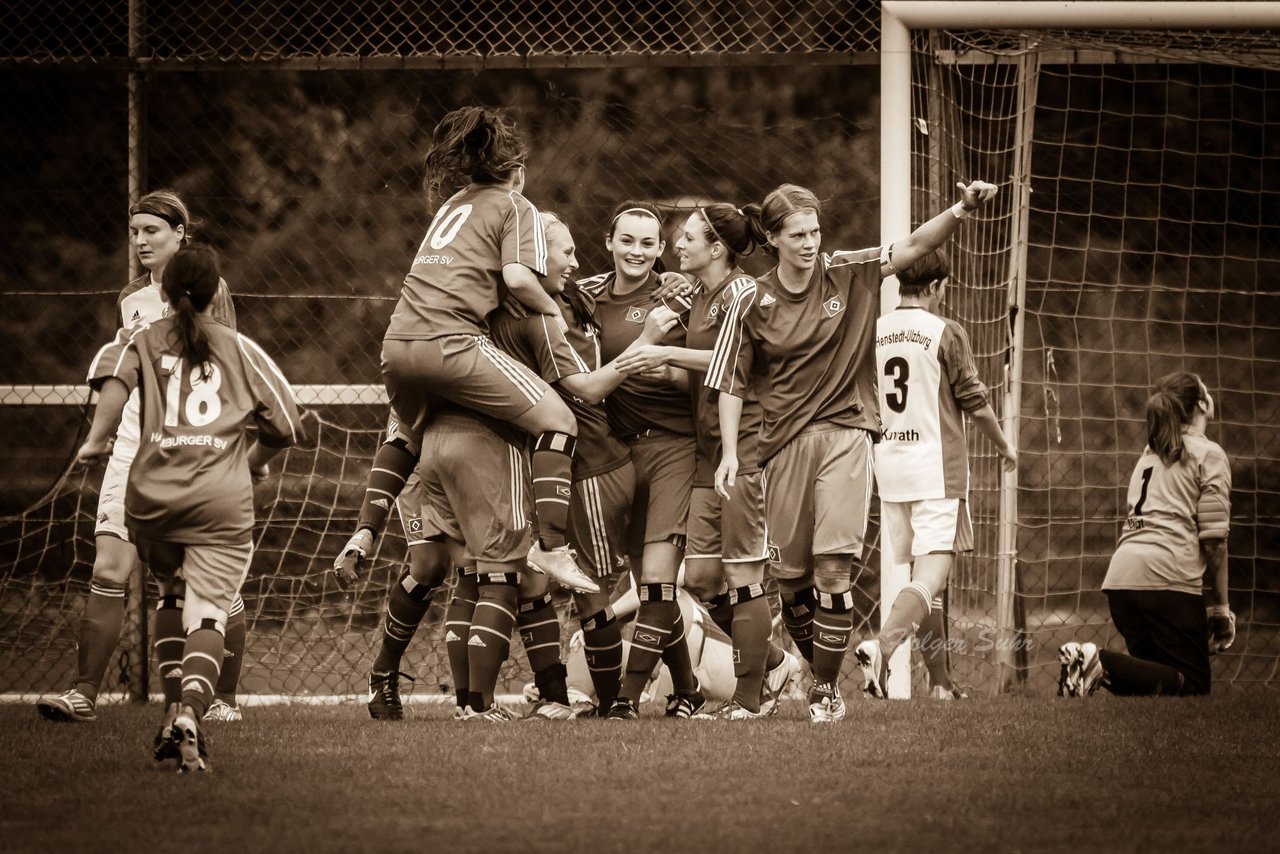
x: 1222, y: 628
x: 346, y: 566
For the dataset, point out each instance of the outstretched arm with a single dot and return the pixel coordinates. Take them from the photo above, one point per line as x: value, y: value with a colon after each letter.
x: 938, y: 230
x: 524, y: 286
x: 112, y: 397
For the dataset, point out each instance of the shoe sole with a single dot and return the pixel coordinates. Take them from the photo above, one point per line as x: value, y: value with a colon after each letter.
x: 58, y: 714
x: 188, y: 745
x: 871, y: 684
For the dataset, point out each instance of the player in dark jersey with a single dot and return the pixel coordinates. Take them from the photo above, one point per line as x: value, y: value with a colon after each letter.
x: 654, y: 417
x: 159, y: 225
x: 189, y: 504
x: 603, y: 475
x: 806, y: 349
x: 725, y: 561
x: 1173, y: 544
x: 484, y: 239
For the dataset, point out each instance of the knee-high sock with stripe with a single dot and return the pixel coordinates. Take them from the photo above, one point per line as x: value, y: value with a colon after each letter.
x: 201, y: 661
x: 909, y: 607
x: 932, y: 636
x: 457, y: 630
x: 797, y: 615
x: 551, y: 463
x: 602, y: 647
x: 100, y: 629
x: 654, y: 621
x: 232, y: 653
x: 406, y: 606
x: 832, y: 626
x: 539, y: 627
x: 489, y: 641
x: 752, y: 627
x: 170, y: 641
x: 677, y: 658
x: 392, y: 465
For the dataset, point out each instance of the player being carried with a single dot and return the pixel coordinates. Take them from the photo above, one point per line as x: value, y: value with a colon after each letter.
x: 927, y: 383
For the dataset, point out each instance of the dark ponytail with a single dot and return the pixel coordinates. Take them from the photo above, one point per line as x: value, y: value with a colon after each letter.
x: 190, y: 283
x: 1169, y: 412
x: 730, y: 226
x: 473, y: 144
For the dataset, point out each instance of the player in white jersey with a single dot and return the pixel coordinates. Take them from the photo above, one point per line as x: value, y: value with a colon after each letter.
x: 1174, y: 542
x: 927, y: 382
x: 159, y: 224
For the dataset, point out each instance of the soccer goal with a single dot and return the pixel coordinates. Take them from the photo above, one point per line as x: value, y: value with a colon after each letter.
x: 1137, y: 147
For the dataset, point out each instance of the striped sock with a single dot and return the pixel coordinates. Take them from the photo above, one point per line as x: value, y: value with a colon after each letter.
x: 539, y: 628
x: 99, y: 634
x: 551, y: 462
x: 602, y: 647
x: 797, y: 616
x: 752, y: 627
x: 910, y: 607
x: 169, y: 644
x: 832, y: 626
x: 654, y: 621
x: 406, y: 606
x: 201, y: 661
x: 392, y: 465
x: 489, y: 641
x: 457, y: 628
x: 232, y: 653
x: 932, y: 637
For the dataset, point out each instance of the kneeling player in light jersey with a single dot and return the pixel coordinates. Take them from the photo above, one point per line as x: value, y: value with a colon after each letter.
x: 159, y: 225
x: 927, y: 383
x: 189, y: 503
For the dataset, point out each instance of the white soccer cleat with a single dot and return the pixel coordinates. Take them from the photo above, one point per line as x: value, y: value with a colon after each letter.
x: 221, y: 710
x: 940, y: 692
x: 825, y: 704
x: 777, y: 680
x: 494, y: 714
x: 732, y: 711
x: 553, y: 711
x: 70, y: 705
x: 560, y: 565
x: 874, y: 673
x: 186, y: 735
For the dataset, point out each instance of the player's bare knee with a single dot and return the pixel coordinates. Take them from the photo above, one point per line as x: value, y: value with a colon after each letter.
x: 429, y: 564
x: 703, y: 579
x: 114, y: 560
x: 198, y: 612
x: 533, y: 584
x: 832, y: 573
x: 590, y: 604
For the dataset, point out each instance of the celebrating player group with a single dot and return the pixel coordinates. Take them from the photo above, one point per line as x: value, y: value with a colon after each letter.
x: 668, y: 447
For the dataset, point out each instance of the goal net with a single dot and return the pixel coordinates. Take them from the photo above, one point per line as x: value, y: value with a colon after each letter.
x: 1135, y: 235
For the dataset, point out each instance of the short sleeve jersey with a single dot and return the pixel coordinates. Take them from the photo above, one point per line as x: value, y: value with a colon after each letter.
x: 538, y: 342
x: 190, y: 480
x: 640, y: 403
x: 456, y: 276
x: 717, y: 317
x: 814, y: 349
x: 1171, y: 508
x: 927, y: 381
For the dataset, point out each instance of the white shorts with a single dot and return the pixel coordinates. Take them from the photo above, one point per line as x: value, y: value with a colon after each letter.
x: 928, y: 526
x: 110, y: 518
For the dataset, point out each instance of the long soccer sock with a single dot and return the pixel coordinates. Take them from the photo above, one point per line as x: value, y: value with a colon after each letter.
x: 1134, y: 677
x: 551, y: 462
x: 99, y: 634
x: 602, y: 646
x: 774, y: 654
x: 932, y: 638
x: 751, y: 627
x: 910, y: 607
x: 392, y: 465
x: 721, y: 611
x: 232, y: 653
x: 654, y: 621
x: 457, y: 629
x: 406, y: 606
x: 676, y: 656
x: 539, y: 628
x: 201, y: 660
x: 169, y: 643
x: 489, y: 641
x: 797, y: 615
x: 832, y: 626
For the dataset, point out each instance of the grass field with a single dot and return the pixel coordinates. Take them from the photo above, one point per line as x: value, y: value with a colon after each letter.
x: 1005, y: 774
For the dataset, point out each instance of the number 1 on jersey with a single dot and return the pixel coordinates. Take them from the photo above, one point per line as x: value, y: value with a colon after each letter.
x: 1146, y: 482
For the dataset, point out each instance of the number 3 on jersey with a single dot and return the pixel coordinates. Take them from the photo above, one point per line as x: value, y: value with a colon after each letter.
x: 898, y: 370
x: 203, y: 405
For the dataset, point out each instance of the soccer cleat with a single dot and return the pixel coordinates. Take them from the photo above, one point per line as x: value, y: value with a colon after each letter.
x: 553, y: 711
x: 776, y: 681
x: 685, y: 704
x: 346, y: 566
x: 940, y: 692
x: 1080, y: 671
x: 185, y: 735
x: 460, y: 714
x: 623, y: 709
x: 561, y: 565
x: 825, y: 704
x: 494, y: 714
x: 165, y: 746
x: 384, y: 696
x: 874, y: 672
x: 70, y: 705
x: 732, y: 711
x: 221, y: 710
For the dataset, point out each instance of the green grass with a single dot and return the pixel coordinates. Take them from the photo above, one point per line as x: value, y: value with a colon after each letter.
x: 1010, y: 774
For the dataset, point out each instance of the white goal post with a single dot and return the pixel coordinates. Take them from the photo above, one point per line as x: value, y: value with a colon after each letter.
x: 898, y: 19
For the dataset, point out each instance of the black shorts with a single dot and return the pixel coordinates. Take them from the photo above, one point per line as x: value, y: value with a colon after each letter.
x: 1168, y: 627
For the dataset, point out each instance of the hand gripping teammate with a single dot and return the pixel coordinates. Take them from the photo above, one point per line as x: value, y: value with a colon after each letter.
x: 189, y: 503
x: 485, y: 237
x: 927, y: 383
x: 653, y: 416
x: 806, y: 351
x: 1174, y: 542
x: 159, y: 225
x: 727, y: 552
